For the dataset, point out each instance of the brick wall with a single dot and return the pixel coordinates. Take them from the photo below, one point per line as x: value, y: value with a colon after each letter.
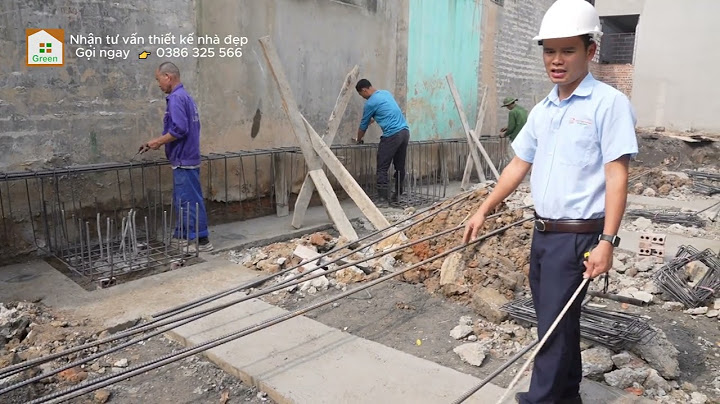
x: 619, y: 76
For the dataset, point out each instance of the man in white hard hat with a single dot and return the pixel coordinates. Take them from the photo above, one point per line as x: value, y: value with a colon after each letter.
x: 579, y: 141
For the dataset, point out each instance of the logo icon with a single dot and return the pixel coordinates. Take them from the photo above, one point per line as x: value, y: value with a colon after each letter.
x: 45, y: 46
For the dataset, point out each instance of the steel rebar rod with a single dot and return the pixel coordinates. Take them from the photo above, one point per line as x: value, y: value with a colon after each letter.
x: 95, y: 384
x: 264, y: 279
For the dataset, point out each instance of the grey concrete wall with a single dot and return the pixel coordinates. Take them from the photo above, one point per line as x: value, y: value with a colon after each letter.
x: 515, y: 67
x: 664, y: 84
x: 88, y: 110
x: 619, y: 7
x: 100, y: 110
x: 318, y: 42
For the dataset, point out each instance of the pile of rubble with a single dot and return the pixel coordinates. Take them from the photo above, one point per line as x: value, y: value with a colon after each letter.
x: 28, y: 331
x: 489, y: 273
x: 657, y: 182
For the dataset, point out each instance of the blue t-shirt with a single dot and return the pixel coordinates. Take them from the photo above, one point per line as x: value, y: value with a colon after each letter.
x: 382, y: 107
x: 182, y: 121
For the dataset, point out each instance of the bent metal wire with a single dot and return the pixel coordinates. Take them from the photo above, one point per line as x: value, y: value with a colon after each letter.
x: 106, y: 220
x: 690, y: 286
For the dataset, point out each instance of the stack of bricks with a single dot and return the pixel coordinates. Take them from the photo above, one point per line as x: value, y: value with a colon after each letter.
x: 652, y: 245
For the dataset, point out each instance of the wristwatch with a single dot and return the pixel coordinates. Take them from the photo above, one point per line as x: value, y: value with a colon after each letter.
x: 614, y: 240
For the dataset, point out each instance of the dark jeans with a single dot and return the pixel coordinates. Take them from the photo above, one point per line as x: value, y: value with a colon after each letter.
x: 556, y: 268
x: 187, y: 195
x: 392, y: 149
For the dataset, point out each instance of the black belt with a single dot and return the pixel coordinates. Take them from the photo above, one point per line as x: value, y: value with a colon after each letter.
x: 569, y: 225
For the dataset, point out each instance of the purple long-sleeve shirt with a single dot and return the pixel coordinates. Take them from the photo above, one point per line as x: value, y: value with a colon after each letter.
x: 182, y: 121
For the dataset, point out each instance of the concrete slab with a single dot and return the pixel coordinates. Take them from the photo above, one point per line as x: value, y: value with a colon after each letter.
x: 304, y: 361
x: 38, y: 281
x: 272, y: 229
x: 694, y: 204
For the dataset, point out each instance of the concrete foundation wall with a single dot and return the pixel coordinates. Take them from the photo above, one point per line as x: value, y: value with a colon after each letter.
x: 664, y: 84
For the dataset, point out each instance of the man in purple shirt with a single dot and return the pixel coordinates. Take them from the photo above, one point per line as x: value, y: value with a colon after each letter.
x: 181, y: 137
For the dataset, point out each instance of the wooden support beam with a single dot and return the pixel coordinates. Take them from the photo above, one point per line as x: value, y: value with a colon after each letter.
x: 479, y: 145
x: 367, y: 207
x: 473, y: 135
x: 308, y: 187
x: 282, y: 207
x: 332, y: 205
x: 463, y: 119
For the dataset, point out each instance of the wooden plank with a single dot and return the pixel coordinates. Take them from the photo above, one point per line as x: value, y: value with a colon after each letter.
x: 332, y: 205
x: 367, y: 207
x: 479, y: 145
x: 282, y: 207
x: 466, y: 126
x: 303, y: 200
x: 465, y: 184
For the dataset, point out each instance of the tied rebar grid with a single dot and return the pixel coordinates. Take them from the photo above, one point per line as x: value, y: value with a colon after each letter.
x: 615, y: 330
x: 58, y: 210
x: 678, y: 280
x: 665, y: 216
x: 704, y: 182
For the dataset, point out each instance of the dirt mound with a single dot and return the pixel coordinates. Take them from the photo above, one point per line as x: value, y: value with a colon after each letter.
x: 656, y: 182
x: 660, y: 149
x: 500, y: 262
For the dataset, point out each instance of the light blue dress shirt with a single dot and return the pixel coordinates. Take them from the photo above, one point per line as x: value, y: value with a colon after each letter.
x: 568, y: 143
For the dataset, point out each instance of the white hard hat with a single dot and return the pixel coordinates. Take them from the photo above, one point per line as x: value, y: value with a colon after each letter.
x: 568, y: 18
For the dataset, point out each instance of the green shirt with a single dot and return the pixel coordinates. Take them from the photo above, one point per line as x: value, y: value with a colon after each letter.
x: 516, y: 120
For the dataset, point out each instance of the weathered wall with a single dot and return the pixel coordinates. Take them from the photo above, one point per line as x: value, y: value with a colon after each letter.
x: 665, y: 84
x: 443, y: 38
x: 88, y: 110
x: 516, y: 64
x: 318, y: 42
x: 100, y: 110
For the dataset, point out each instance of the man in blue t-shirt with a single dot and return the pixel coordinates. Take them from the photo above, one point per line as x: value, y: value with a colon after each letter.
x: 382, y: 108
x: 181, y: 138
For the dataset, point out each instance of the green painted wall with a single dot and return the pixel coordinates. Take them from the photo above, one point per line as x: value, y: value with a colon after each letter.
x: 443, y: 37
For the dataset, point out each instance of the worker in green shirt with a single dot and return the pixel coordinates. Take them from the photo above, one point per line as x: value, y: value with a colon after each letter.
x: 516, y: 120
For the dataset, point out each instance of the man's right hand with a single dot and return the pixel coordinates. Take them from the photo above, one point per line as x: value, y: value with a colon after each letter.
x: 472, y: 227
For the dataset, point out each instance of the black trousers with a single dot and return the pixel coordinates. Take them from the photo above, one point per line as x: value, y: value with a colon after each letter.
x: 392, y: 149
x: 556, y: 269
